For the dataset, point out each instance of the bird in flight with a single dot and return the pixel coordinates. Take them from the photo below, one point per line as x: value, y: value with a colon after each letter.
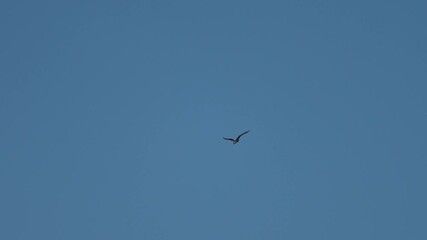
x: 237, y: 139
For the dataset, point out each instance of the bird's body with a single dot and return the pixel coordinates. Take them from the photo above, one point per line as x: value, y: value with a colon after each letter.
x: 237, y: 139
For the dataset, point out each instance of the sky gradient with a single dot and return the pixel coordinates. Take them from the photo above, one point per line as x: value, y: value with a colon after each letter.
x: 112, y: 115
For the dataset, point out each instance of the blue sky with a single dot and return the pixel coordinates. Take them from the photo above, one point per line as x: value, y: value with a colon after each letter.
x: 112, y: 115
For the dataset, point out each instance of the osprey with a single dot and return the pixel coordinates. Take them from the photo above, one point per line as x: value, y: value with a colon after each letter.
x: 237, y: 139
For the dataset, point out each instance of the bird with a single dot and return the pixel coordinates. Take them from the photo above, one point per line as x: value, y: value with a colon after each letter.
x: 237, y: 139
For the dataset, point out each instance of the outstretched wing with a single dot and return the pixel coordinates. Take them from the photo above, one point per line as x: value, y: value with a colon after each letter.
x: 229, y: 139
x: 238, y: 138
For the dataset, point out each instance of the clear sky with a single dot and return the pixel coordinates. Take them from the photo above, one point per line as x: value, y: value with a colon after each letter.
x: 112, y: 115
